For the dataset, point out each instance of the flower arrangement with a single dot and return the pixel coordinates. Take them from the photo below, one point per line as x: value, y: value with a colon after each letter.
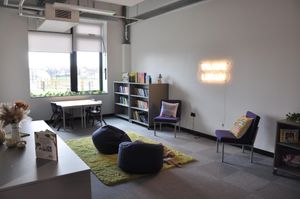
x: 13, y: 113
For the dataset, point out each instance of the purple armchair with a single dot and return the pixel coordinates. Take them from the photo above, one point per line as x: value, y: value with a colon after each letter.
x: 168, y: 119
x: 225, y: 136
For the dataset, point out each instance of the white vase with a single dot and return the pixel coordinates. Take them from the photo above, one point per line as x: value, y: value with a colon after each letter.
x: 15, y: 134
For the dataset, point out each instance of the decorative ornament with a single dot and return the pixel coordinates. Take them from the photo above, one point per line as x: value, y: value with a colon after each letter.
x: 159, y: 80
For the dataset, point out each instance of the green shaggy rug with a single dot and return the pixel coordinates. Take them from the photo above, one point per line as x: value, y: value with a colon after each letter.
x: 105, y: 166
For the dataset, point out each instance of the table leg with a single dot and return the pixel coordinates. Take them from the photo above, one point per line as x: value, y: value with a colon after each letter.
x: 64, y: 119
x: 101, y: 116
x: 84, y: 118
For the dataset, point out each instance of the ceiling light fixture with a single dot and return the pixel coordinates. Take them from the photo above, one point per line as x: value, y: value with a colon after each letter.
x: 84, y: 9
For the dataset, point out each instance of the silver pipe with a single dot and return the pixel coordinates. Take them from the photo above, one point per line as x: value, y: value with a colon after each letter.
x: 128, y: 18
x: 21, y: 7
x: 5, y: 3
x: 26, y: 7
x: 33, y: 16
x: 126, y: 29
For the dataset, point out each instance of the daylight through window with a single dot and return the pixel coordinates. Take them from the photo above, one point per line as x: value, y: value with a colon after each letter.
x: 64, y: 64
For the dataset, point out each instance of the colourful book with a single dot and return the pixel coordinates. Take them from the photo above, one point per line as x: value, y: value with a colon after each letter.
x: 289, y: 135
x: 142, y: 78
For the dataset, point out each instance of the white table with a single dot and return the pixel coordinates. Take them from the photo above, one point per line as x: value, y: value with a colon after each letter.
x: 24, y: 176
x: 78, y: 104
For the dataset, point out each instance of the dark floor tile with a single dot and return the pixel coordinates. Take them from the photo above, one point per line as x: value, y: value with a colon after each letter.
x: 246, y: 181
x: 206, y: 178
x: 277, y: 191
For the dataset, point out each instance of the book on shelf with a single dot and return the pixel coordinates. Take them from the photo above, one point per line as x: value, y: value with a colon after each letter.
x: 142, y: 92
x: 123, y: 100
x: 148, y: 79
x: 146, y: 92
x: 143, y: 117
x: 135, y: 115
x: 46, y: 145
x: 289, y: 136
x: 291, y: 160
x: 140, y: 116
x: 142, y: 104
x: 141, y: 78
x: 124, y: 89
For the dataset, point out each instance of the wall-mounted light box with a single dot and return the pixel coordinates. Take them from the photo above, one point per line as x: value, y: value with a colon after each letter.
x: 214, y: 71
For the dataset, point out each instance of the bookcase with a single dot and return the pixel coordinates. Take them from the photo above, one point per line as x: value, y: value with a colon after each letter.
x: 287, y: 148
x: 121, y: 92
x: 137, y: 102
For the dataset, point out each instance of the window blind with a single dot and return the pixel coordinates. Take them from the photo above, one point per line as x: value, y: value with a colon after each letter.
x: 49, y: 42
x: 88, y: 37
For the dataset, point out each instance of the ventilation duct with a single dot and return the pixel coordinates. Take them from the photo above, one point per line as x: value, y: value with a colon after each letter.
x: 58, y: 19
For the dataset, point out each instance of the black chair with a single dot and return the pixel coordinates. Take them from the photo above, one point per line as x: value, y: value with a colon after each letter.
x: 169, y: 119
x: 55, y: 113
x: 248, y: 139
x: 59, y: 118
x: 94, y: 113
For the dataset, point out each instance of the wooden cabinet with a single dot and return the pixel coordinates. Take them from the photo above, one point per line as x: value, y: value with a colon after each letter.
x: 287, y: 148
x: 137, y: 102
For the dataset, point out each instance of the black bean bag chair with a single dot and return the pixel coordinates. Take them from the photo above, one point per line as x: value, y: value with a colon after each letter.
x: 107, y: 139
x: 140, y: 158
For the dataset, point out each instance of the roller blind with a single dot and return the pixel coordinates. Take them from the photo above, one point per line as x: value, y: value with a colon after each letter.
x: 49, y: 42
x: 89, y: 38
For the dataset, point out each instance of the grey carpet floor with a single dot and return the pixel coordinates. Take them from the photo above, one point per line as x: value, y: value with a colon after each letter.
x: 205, y: 178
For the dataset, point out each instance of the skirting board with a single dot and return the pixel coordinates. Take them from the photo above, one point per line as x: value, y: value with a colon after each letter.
x: 200, y: 134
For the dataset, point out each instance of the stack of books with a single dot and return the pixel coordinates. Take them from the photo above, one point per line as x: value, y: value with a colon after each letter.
x: 123, y: 100
x: 142, y: 104
x: 138, y: 77
x: 140, y: 116
x: 123, y: 89
x: 142, y: 92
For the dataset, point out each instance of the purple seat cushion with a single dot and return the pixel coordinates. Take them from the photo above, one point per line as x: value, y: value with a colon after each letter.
x: 166, y: 119
x: 225, y: 136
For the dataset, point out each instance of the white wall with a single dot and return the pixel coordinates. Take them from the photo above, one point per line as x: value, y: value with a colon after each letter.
x: 262, y: 38
x: 146, y: 6
x: 14, y: 72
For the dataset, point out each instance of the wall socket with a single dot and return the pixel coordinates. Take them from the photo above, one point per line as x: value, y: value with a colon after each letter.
x: 193, y: 114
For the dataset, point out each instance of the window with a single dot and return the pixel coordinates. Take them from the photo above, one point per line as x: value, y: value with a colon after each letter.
x: 89, y: 46
x: 65, y: 64
x: 49, y: 72
x: 49, y: 62
x: 88, y: 71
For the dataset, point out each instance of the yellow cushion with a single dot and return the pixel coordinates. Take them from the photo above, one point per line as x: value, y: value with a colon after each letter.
x: 240, y: 126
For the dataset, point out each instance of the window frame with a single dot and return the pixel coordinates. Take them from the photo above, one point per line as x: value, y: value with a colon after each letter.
x: 74, y: 72
x: 74, y: 68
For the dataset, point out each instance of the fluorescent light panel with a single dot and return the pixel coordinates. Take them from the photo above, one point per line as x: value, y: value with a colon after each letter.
x: 84, y: 9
